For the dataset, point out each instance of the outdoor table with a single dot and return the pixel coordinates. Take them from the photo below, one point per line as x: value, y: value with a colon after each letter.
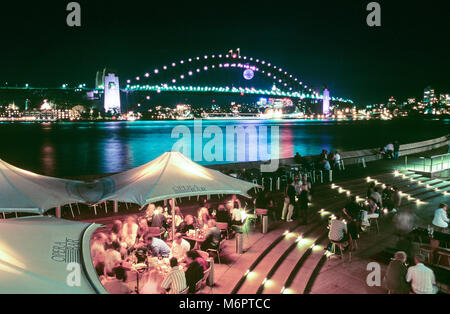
x: 197, y: 240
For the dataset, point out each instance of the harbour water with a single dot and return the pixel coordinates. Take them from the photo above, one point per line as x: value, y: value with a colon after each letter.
x: 85, y: 148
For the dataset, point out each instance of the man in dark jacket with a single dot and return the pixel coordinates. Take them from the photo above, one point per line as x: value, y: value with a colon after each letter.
x: 395, y: 279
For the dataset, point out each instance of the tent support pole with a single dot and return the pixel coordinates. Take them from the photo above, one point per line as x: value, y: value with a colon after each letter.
x: 173, y: 219
x: 116, y: 207
x: 58, y: 212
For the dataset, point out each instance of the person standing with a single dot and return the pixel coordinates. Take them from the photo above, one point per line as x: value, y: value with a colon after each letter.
x: 289, y: 202
x: 304, y: 203
x: 396, y: 150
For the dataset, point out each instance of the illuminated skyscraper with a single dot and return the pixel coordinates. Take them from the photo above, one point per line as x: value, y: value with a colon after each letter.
x: 112, y: 93
x: 326, y: 102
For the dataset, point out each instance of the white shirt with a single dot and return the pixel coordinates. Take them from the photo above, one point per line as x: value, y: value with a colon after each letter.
x: 236, y: 215
x: 422, y: 279
x: 389, y: 147
x: 179, y: 250
x: 129, y: 236
x: 440, y: 218
x: 338, y: 228
x: 337, y: 158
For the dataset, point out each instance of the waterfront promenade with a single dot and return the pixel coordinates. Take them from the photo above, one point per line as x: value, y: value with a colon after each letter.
x: 276, y: 263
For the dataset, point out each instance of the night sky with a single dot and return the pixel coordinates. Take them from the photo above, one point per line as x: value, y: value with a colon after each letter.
x: 322, y: 42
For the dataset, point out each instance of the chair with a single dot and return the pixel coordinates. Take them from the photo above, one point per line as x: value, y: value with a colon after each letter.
x: 335, y: 244
x: 203, y: 255
x: 217, y: 250
x: 376, y: 223
x: 155, y: 232
x: 223, y: 226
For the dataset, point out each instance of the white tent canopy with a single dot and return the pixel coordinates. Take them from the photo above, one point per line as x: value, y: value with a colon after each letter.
x: 24, y: 191
x: 171, y: 176
x: 35, y: 253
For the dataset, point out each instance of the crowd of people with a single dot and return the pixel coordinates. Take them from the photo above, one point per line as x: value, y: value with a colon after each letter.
x: 357, y: 214
x: 139, y: 239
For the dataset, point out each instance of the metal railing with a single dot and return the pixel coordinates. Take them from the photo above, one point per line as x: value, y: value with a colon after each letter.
x: 430, y: 164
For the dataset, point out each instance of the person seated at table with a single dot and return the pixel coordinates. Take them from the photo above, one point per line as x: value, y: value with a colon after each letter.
x: 115, y: 234
x: 193, y: 254
x: 117, y: 285
x: 223, y: 215
x: 236, y: 202
x: 376, y: 195
x: 129, y: 231
x: 236, y: 215
x: 395, y: 279
x: 203, y: 216
x: 373, y: 211
x: 422, y: 278
x: 152, y: 282
x: 212, y: 237
x: 98, y: 244
x: 440, y: 219
x: 175, y: 281
x: 186, y: 225
x: 143, y: 230
x: 159, y: 220
x: 352, y: 212
x: 149, y: 213
x: 179, y: 247
x: 158, y: 247
x: 194, y: 272
x: 113, y: 258
x: 339, y: 233
x: 178, y: 216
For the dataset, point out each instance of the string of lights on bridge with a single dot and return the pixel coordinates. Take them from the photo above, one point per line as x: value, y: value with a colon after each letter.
x: 274, y: 73
x: 231, y: 90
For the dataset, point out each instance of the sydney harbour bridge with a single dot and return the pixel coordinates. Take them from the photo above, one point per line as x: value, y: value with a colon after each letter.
x: 233, y: 74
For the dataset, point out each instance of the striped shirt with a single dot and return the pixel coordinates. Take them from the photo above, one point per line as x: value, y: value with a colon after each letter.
x: 175, y: 280
x: 338, y: 229
x: 422, y: 279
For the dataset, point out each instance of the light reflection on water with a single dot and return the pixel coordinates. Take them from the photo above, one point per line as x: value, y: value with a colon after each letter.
x: 72, y: 149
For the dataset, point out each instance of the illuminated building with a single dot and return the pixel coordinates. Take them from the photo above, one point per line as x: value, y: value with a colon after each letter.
x: 112, y: 93
x: 326, y: 102
x: 429, y: 97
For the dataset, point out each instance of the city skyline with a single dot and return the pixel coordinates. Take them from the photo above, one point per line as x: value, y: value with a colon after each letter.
x: 387, y: 61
